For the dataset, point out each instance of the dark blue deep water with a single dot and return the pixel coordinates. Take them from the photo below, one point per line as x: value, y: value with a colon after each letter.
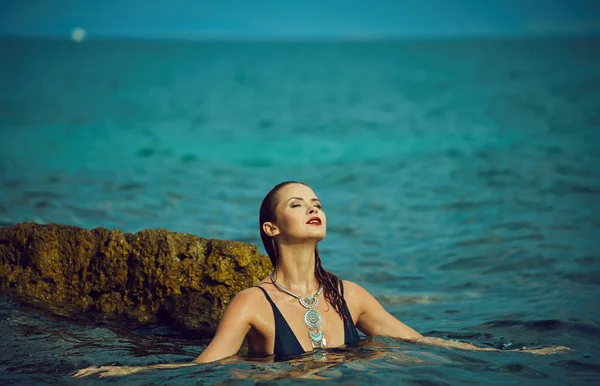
x: 461, y: 180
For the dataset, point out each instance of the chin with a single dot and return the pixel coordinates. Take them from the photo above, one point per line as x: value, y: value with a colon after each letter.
x: 318, y: 237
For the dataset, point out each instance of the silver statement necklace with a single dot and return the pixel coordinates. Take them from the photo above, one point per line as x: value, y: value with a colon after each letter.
x: 312, y: 317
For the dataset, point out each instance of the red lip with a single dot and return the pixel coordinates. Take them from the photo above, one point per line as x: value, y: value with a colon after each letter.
x: 315, y: 219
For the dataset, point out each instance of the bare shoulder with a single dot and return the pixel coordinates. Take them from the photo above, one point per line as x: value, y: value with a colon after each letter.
x: 246, y: 300
x: 353, y: 289
x: 358, y: 298
x: 248, y: 295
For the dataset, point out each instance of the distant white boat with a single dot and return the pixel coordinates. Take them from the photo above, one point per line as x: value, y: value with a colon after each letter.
x: 78, y: 34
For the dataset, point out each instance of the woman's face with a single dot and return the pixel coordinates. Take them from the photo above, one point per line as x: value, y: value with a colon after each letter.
x: 299, y: 214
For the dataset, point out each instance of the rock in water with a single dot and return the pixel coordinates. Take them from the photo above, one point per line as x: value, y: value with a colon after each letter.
x: 151, y: 276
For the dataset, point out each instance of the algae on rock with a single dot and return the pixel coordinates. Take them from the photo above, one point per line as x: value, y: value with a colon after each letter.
x: 151, y: 276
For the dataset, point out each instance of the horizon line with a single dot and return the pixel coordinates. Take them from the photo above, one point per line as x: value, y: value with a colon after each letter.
x: 308, y: 39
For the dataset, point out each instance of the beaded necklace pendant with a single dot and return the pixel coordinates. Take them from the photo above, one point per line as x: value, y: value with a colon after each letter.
x: 313, y: 320
x: 312, y: 317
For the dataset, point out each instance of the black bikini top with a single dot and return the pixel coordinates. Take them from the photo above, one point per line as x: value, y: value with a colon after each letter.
x: 286, y: 343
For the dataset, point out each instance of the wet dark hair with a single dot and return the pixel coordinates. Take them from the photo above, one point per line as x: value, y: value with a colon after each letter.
x: 329, y: 281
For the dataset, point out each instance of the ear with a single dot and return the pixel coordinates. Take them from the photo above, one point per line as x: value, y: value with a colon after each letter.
x: 270, y: 229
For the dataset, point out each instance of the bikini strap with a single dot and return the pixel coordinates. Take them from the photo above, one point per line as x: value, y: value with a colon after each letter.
x: 342, y: 287
x: 266, y: 295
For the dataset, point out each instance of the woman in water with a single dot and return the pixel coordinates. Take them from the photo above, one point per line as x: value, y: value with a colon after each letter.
x: 300, y: 307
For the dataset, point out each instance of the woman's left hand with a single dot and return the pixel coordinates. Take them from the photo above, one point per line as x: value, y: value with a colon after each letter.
x: 546, y: 350
x: 107, y: 371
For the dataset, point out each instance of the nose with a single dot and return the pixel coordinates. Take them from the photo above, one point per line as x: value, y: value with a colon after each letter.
x: 313, y: 210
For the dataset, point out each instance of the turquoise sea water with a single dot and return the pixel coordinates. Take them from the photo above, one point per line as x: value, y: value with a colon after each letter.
x: 460, y: 179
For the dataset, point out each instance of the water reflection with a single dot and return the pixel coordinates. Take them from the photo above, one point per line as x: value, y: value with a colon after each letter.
x: 369, y: 356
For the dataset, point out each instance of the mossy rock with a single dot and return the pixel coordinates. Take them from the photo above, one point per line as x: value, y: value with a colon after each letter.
x: 152, y: 276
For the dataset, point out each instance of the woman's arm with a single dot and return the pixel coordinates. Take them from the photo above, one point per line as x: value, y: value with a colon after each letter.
x: 233, y: 327
x: 374, y: 320
x: 228, y: 339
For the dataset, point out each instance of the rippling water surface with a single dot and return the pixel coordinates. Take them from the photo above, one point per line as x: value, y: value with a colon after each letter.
x: 460, y: 178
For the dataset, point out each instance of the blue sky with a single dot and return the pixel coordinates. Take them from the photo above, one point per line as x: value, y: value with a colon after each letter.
x: 311, y: 19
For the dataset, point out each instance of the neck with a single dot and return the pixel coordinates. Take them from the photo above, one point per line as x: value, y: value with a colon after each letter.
x: 296, y: 270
